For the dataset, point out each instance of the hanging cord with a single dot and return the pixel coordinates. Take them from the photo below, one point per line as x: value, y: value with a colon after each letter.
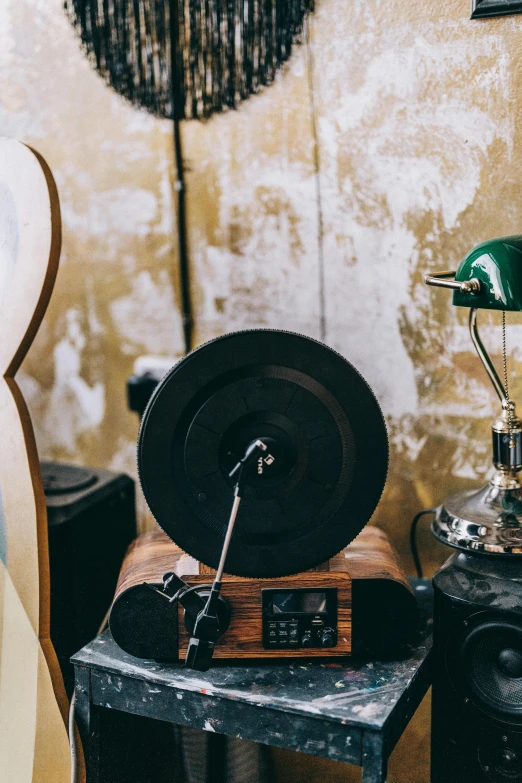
x: 72, y: 741
x: 184, y: 271
x: 71, y: 726
x: 178, y: 99
x: 310, y: 69
x: 413, y: 539
x: 506, y: 388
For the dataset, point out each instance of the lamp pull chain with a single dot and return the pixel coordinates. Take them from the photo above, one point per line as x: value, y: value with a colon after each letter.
x: 506, y: 389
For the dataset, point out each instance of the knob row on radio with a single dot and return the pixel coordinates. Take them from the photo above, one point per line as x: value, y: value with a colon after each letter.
x: 325, y: 637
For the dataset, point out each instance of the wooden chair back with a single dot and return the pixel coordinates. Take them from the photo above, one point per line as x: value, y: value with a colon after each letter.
x: 33, y: 738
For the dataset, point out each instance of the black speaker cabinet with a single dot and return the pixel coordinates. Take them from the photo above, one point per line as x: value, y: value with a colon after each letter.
x: 477, y: 684
x: 92, y: 520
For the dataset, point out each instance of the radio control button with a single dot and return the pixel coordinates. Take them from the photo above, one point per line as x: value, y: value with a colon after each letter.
x: 283, y: 624
x: 293, y: 633
x: 307, y: 640
x: 272, y: 626
x: 510, y: 759
x: 327, y: 638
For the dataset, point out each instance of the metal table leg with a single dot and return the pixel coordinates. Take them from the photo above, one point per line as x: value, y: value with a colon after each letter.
x: 375, y: 762
x: 87, y: 720
x: 123, y: 746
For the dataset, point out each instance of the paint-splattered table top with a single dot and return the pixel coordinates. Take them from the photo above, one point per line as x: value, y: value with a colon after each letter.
x: 322, y: 707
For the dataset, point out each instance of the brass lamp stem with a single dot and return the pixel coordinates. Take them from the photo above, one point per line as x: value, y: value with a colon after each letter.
x: 483, y: 355
x: 507, y: 429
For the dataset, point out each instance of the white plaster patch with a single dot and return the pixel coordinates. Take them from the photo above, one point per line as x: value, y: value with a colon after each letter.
x: 407, y: 444
x: 120, y: 211
x: 156, y: 366
x: 411, y: 154
x: 463, y: 468
x: 137, y: 121
x: 470, y: 399
x: 96, y: 328
x: 165, y: 224
x: 269, y: 276
x: 147, y: 318
x: 74, y: 407
x: 459, y: 339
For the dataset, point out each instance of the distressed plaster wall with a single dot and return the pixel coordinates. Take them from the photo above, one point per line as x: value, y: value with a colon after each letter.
x: 418, y: 118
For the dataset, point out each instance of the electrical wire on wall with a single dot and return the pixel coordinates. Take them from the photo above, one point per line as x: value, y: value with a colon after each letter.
x: 183, y: 254
x: 178, y: 97
x: 310, y: 69
x: 413, y: 539
x: 72, y: 741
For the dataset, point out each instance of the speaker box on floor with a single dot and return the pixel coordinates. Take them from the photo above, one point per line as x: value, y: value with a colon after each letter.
x: 92, y: 520
x: 477, y: 686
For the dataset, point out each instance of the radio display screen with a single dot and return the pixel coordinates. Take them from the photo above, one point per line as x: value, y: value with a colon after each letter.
x: 299, y: 602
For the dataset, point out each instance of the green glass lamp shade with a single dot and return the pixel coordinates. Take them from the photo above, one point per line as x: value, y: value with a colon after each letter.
x: 488, y: 521
x: 497, y: 264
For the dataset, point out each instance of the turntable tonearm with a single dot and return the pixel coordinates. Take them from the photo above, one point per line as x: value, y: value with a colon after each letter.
x: 286, y: 433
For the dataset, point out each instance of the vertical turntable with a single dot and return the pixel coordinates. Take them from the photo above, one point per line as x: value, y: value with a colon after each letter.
x: 262, y: 454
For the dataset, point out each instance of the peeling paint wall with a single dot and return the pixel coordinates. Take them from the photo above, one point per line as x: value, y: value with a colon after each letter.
x: 417, y: 121
x: 417, y: 111
x: 116, y: 292
x: 418, y: 118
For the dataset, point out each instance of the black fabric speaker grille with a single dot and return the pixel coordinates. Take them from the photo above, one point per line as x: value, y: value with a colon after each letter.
x: 493, y: 687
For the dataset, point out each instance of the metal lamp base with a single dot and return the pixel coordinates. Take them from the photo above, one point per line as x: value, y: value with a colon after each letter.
x: 487, y: 521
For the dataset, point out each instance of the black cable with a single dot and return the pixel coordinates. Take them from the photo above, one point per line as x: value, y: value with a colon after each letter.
x: 413, y: 539
x: 183, y: 250
x: 72, y: 741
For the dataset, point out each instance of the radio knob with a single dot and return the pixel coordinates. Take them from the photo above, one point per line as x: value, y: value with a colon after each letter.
x: 307, y: 640
x: 328, y: 637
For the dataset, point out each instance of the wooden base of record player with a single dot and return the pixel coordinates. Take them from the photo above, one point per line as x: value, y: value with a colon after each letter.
x: 376, y: 611
x: 244, y: 637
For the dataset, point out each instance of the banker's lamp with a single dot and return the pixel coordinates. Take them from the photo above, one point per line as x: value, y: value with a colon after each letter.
x: 489, y: 520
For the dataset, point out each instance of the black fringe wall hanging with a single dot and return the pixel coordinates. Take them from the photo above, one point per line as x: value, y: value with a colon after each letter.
x: 186, y: 59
